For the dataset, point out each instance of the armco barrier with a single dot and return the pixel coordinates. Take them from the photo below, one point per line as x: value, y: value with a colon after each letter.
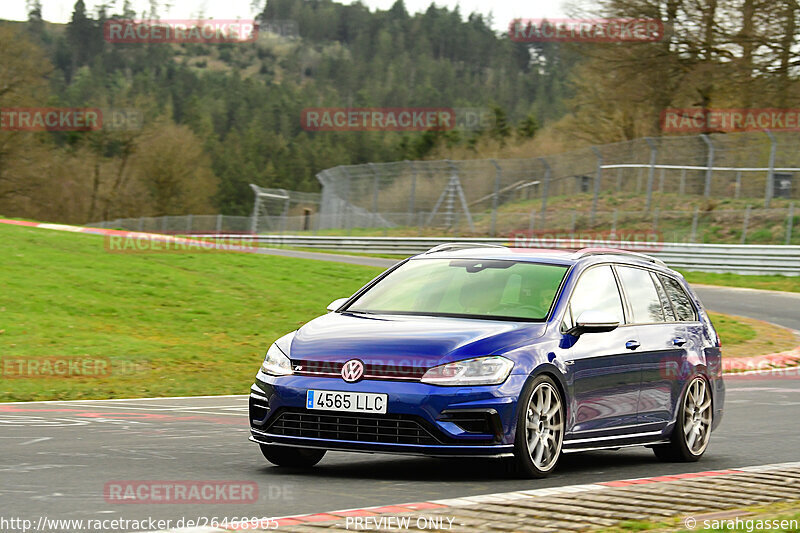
x: 722, y: 258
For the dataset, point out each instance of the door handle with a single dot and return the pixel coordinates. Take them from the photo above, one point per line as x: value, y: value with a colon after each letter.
x: 569, y: 363
x: 679, y: 341
x: 632, y: 345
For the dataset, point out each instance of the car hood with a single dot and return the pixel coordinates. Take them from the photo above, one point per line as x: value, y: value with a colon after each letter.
x: 419, y: 341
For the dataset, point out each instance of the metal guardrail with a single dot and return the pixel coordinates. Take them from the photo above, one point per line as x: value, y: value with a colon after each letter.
x: 721, y: 258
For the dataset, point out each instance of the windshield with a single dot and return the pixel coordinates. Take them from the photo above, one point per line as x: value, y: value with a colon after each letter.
x: 510, y: 290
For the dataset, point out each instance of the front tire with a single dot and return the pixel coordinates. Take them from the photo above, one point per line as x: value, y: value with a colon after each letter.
x: 292, y: 457
x: 540, y: 429
x: 692, y: 431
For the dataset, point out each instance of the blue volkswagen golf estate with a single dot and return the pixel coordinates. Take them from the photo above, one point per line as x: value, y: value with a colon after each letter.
x: 476, y: 350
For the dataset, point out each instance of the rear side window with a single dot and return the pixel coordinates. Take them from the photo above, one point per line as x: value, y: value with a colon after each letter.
x: 596, y: 290
x: 669, y: 313
x: 642, y: 295
x: 680, y: 300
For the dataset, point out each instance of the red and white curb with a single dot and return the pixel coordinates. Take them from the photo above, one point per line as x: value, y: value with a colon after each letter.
x: 775, y: 363
x: 497, y: 498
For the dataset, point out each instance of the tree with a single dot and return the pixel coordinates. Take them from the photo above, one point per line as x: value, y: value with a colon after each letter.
x: 35, y: 16
x: 528, y: 127
x: 23, y: 158
x: 173, y: 171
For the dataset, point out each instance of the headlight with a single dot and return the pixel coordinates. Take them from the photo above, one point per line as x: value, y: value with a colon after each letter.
x: 276, y: 363
x: 480, y: 371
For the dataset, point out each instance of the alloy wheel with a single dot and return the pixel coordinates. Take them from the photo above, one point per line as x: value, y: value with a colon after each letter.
x: 544, y: 425
x: 697, y: 416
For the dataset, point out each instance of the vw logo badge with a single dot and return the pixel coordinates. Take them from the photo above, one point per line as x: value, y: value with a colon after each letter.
x: 352, y: 371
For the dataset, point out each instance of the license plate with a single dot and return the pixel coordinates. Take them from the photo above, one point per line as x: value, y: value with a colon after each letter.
x: 349, y: 402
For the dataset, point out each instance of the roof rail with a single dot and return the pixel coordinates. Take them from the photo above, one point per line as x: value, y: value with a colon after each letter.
x: 452, y: 246
x: 585, y: 252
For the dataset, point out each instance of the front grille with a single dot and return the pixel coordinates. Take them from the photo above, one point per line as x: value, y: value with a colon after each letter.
x: 382, y: 429
x: 401, y: 371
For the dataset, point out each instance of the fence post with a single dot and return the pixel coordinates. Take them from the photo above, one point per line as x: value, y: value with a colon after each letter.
x: 374, y: 194
x: 545, y: 190
x: 619, y: 179
x: 651, y: 172
x: 746, y: 224
x: 769, y: 191
x: 532, y: 221
x: 140, y: 226
x: 412, y: 196
x: 219, y: 224
x: 789, y: 224
x: 497, y: 177
x: 598, y: 177
x: 164, y: 224
x: 738, y: 188
x: 710, y: 164
x: 655, y: 220
x: 189, y: 224
x: 614, y: 226
x: 695, y: 220
x: 661, y: 180
x: 256, y: 210
x: 682, y: 189
x: 639, y: 174
x: 347, y: 200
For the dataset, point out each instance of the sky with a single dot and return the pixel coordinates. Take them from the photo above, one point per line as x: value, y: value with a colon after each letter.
x: 503, y: 11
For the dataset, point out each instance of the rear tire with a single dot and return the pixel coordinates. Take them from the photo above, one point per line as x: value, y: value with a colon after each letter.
x: 692, y: 431
x: 540, y: 429
x: 292, y: 457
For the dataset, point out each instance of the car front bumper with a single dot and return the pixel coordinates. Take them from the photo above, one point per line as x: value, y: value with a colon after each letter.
x: 450, y: 421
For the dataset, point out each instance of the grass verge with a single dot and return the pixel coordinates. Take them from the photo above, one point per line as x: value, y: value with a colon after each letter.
x: 745, y: 337
x: 172, y: 324
x: 770, y: 283
x: 167, y: 323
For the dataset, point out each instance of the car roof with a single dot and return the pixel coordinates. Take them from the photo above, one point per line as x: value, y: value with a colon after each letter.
x: 559, y: 256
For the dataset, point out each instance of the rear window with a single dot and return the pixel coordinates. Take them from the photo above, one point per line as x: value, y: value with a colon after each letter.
x: 680, y: 300
x: 642, y: 295
x: 669, y: 312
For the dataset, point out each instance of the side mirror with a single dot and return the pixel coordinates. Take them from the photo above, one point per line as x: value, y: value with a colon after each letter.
x: 336, y: 304
x: 594, y: 322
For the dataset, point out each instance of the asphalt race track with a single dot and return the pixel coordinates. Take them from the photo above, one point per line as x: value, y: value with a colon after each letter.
x: 782, y: 308
x: 57, y: 457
